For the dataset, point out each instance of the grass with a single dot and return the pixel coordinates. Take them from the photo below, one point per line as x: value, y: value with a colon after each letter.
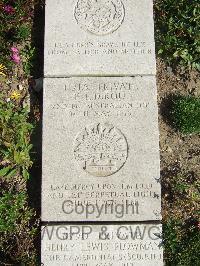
x: 15, y: 139
x: 185, y: 114
x: 17, y: 229
x: 178, y: 44
x: 182, y: 242
x: 181, y: 224
x: 18, y: 221
x: 178, y: 32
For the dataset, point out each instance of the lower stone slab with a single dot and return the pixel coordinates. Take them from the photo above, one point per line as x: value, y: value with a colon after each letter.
x: 100, y: 149
x: 102, y: 245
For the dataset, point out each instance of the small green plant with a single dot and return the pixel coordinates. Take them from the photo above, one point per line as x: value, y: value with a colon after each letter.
x: 178, y: 31
x: 15, y: 144
x: 11, y: 211
x: 16, y: 226
x: 17, y: 220
x: 181, y: 243
x: 28, y: 54
x: 185, y: 114
x: 23, y: 32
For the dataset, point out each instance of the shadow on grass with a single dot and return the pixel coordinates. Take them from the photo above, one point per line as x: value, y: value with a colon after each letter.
x: 167, y: 107
x: 36, y: 101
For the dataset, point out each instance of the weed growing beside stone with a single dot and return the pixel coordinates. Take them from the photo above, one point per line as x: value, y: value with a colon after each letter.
x: 178, y: 32
x: 15, y: 140
x: 181, y: 226
x: 181, y: 243
x: 185, y: 114
x: 17, y: 229
x: 17, y: 219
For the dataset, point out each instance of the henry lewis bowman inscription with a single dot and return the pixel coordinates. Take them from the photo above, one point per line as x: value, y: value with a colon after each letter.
x: 99, y: 37
x: 100, y: 149
x: 102, y: 245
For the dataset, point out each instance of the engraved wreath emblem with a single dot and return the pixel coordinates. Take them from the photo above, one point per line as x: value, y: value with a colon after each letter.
x: 99, y: 16
x: 100, y: 149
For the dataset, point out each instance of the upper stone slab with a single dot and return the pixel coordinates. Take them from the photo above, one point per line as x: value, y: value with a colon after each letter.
x: 99, y: 37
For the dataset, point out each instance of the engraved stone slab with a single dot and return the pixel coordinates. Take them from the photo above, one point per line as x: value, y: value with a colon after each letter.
x: 100, y: 149
x: 99, y: 37
x: 102, y: 245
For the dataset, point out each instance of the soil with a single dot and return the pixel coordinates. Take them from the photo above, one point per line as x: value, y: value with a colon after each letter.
x: 180, y: 154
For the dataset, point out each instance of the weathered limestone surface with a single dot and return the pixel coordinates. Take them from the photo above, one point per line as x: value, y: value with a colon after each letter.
x: 100, y: 149
x: 102, y: 245
x: 99, y: 37
x: 100, y: 135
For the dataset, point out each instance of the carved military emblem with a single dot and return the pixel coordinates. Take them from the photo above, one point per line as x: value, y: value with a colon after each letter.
x: 99, y: 16
x: 100, y: 149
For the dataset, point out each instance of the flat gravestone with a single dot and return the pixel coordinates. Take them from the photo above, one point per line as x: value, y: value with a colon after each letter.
x: 100, y: 149
x: 102, y: 245
x: 99, y: 37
